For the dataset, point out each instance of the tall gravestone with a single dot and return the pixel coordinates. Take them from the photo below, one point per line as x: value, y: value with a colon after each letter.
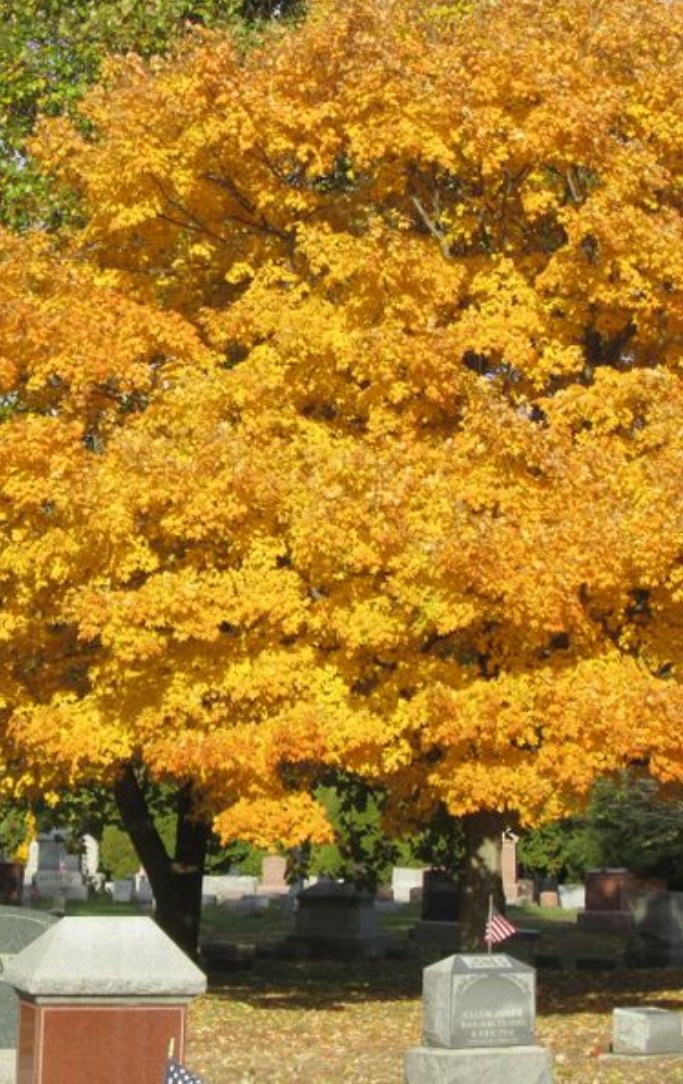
x: 440, y: 910
x: 52, y: 871
x: 479, y: 1015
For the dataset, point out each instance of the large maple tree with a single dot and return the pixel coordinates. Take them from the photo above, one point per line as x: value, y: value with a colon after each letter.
x: 51, y: 51
x: 345, y: 433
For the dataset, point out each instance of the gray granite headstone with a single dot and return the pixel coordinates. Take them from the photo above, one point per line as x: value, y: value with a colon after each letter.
x: 478, y: 1024
x: 647, y: 1030
x: 478, y: 1001
x: 18, y: 929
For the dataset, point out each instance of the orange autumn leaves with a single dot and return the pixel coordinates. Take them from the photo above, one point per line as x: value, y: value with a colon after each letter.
x: 345, y: 430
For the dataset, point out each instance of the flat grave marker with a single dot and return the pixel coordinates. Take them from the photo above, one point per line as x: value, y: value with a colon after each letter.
x: 647, y: 1030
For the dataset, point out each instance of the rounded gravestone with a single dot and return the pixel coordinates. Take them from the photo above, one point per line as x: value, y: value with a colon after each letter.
x: 19, y: 927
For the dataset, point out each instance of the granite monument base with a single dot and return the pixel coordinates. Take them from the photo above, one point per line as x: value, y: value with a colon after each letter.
x: 490, y: 1065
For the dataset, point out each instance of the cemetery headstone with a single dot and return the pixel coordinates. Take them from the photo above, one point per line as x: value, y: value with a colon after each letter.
x: 143, y: 889
x: 440, y: 910
x: 479, y: 1015
x: 610, y: 894
x: 508, y: 866
x: 657, y: 936
x: 404, y: 880
x: 11, y: 883
x: 572, y: 896
x: 18, y: 928
x: 91, y: 856
x: 99, y: 1000
x: 335, y: 919
x: 52, y: 872
x: 122, y: 889
x: 646, y: 1030
x: 227, y: 887
x: 273, y: 871
x: 440, y: 897
x: 609, y: 889
x: 549, y: 898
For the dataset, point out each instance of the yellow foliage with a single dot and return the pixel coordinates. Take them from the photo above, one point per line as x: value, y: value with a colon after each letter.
x: 346, y: 430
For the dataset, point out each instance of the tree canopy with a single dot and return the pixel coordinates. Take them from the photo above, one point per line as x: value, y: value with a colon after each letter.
x: 345, y: 430
x: 51, y: 51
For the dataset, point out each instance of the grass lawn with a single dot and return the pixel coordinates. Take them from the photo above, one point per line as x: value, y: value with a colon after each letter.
x: 315, y: 1022
x: 281, y: 1021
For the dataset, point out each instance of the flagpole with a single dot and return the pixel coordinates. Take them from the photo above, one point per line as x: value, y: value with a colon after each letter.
x: 489, y: 939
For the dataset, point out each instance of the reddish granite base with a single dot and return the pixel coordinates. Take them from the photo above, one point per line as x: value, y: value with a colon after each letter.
x: 81, y: 1044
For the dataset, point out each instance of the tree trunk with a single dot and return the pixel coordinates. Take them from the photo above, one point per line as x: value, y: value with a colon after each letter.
x: 176, y: 882
x: 482, y: 879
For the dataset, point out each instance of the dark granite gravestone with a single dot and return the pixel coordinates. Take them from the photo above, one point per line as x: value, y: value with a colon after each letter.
x: 440, y: 910
x: 18, y: 928
x: 11, y: 882
x: 611, y: 895
x: 440, y: 897
x: 646, y: 1030
x: 335, y: 919
x: 479, y: 1016
x: 657, y: 937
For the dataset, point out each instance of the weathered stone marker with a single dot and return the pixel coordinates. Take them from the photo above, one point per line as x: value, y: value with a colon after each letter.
x: 647, y: 1030
x: 100, y: 999
x: 18, y: 928
x: 478, y: 1024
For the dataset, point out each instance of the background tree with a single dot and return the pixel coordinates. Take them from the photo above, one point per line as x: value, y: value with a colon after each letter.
x: 628, y: 822
x: 370, y: 400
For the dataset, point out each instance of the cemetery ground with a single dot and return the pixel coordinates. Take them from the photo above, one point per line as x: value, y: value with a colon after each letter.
x: 268, y: 1019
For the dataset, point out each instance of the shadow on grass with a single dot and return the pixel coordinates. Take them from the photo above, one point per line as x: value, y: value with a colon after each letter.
x: 602, y: 991
x: 321, y: 984
x: 333, y: 985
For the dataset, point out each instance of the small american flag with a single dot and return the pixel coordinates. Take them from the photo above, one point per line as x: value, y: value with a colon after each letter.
x: 178, y: 1074
x: 497, y: 928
